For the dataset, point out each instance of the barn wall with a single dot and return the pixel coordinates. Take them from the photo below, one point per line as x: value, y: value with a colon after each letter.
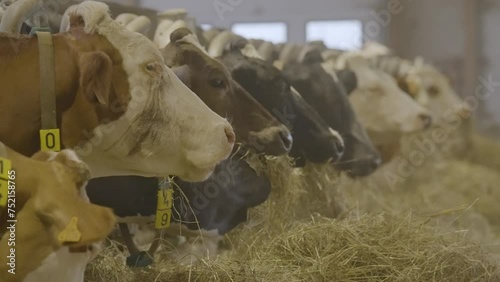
x: 444, y: 33
x: 295, y: 13
x: 490, y: 61
x: 440, y: 31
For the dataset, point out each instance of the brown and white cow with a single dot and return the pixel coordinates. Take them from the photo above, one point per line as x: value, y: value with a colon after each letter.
x: 212, y: 82
x: 49, y: 202
x: 118, y: 105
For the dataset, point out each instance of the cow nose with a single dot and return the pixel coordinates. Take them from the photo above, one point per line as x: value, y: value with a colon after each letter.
x: 287, y: 139
x: 426, y: 120
x: 231, y: 137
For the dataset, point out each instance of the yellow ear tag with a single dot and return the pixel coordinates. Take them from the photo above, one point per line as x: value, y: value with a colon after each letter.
x: 5, y: 167
x: 71, y: 234
x: 50, y: 140
x: 164, y: 208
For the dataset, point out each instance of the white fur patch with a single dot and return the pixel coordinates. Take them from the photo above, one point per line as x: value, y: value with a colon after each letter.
x: 61, y: 266
x: 336, y: 134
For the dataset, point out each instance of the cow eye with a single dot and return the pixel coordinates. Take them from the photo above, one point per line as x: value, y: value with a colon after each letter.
x: 433, y: 91
x: 150, y: 67
x: 217, y: 83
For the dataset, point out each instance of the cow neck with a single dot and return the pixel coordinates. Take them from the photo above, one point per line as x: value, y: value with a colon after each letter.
x: 50, y: 137
x: 19, y: 66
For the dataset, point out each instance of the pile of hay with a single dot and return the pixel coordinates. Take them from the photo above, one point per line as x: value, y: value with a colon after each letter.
x: 289, y: 238
x: 369, y: 248
x: 485, y: 151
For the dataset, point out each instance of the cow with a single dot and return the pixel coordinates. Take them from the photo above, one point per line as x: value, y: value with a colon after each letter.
x: 233, y: 180
x: 328, y: 97
x: 213, y: 84
x: 211, y: 81
x: 382, y: 107
x: 209, y: 209
x: 314, y: 140
x: 118, y: 105
x: 425, y: 84
x: 51, y: 207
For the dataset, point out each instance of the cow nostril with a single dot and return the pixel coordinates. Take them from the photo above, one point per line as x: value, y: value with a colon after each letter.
x: 231, y: 137
x: 287, y: 139
x: 426, y: 120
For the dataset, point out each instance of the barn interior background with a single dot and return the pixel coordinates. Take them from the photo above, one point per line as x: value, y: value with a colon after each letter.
x: 457, y: 36
x: 438, y: 222
x: 461, y: 38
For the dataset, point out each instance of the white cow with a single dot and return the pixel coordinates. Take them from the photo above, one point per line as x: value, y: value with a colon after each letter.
x: 381, y: 106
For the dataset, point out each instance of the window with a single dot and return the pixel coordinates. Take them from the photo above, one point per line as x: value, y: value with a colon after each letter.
x: 345, y: 35
x: 206, y: 26
x: 272, y: 32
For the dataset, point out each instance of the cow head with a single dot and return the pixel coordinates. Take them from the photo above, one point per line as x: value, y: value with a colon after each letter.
x: 433, y: 90
x: 238, y: 188
x: 382, y: 107
x: 212, y: 82
x: 132, y: 115
x: 51, y: 201
x: 327, y: 95
x: 313, y: 139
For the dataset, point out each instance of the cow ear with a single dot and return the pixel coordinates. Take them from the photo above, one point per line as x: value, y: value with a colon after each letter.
x: 96, y: 71
x: 179, y: 34
x: 74, y: 223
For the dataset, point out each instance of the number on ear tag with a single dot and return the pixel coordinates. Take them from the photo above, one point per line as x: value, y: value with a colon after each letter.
x: 164, y: 208
x: 50, y: 140
x: 70, y: 234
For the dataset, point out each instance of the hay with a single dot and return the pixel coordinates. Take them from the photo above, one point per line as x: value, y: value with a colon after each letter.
x: 485, y: 151
x: 451, y: 206
x: 369, y: 248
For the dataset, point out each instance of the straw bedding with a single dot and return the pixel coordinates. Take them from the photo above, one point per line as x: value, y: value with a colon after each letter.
x: 441, y: 223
